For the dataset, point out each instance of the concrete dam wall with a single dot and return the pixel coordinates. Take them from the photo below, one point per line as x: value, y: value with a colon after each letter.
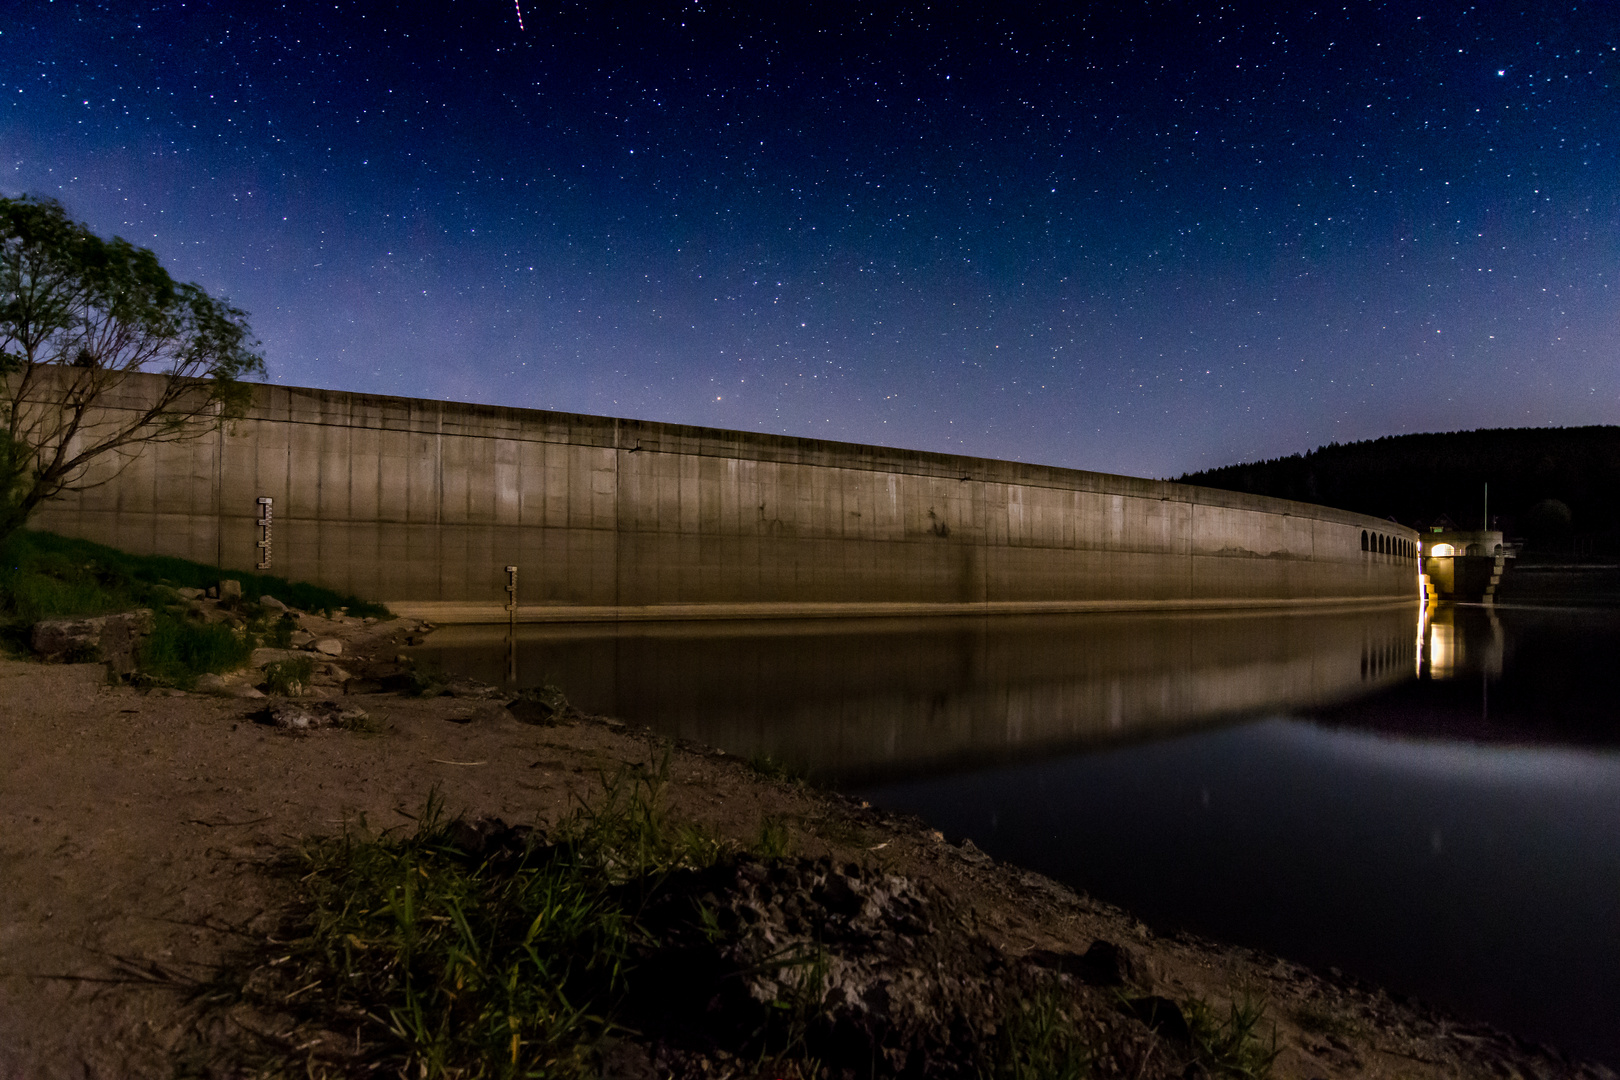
x: 422, y: 504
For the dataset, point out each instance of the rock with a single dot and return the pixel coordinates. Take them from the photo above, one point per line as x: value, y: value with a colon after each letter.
x: 111, y: 638
x: 189, y: 594
x: 362, y: 686
x: 854, y: 943
x: 328, y: 646
x: 67, y: 639
x: 541, y: 705
x: 971, y: 852
x: 263, y: 657
x: 1104, y: 964
x: 491, y: 838
x: 1161, y: 1014
x: 471, y: 688
x: 272, y: 603
x: 230, y: 589
x: 483, y: 713
x: 221, y: 686
x: 307, y: 716
x: 292, y: 717
x: 300, y: 638
x: 1107, y: 964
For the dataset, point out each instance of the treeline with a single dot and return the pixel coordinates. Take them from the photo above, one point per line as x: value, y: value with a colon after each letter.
x: 1558, y: 489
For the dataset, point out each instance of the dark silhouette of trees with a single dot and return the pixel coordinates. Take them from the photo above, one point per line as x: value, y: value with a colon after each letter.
x: 82, y: 320
x: 1547, y: 485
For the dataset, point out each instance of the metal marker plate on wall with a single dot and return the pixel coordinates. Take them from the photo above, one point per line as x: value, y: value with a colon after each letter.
x: 266, y: 505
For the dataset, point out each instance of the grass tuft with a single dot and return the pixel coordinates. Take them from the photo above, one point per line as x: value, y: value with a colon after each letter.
x: 277, y: 633
x: 775, y: 838
x: 774, y: 768
x: 289, y: 678
x: 629, y: 835
x: 474, y: 950
x: 1232, y: 1047
x: 177, y: 650
x: 1038, y: 1039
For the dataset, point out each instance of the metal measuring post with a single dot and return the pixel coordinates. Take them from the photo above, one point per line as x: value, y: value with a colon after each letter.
x: 511, y: 625
x: 266, y: 503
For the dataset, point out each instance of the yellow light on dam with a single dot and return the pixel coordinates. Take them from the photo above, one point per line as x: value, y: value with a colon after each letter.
x: 1442, y: 550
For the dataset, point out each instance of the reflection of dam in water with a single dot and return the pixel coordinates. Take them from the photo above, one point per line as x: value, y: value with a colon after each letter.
x: 866, y: 698
x: 1458, y: 640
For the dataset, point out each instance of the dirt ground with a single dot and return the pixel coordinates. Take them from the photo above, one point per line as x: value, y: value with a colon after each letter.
x: 135, y: 828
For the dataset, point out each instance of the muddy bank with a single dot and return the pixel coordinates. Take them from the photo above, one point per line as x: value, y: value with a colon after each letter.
x: 139, y: 831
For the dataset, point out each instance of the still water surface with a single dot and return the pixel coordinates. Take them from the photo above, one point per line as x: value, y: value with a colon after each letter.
x: 1432, y: 803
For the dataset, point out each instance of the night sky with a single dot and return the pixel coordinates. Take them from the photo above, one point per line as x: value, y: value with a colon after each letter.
x: 1144, y: 240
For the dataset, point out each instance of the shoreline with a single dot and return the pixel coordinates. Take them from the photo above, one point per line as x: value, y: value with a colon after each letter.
x: 460, y: 613
x: 139, y: 828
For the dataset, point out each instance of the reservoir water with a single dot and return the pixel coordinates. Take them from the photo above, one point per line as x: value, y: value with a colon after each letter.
x: 1430, y: 801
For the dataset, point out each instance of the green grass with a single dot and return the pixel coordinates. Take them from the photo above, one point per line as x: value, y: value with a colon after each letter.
x: 44, y: 576
x: 460, y: 970
x: 289, y: 677
x: 1038, y: 1039
x: 177, y: 650
x: 471, y: 950
x: 278, y: 632
x: 1232, y: 1047
x: 774, y: 768
x: 450, y: 953
x: 775, y: 838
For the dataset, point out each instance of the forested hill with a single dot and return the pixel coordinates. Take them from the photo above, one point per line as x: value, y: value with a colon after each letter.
x: 1559, y: 488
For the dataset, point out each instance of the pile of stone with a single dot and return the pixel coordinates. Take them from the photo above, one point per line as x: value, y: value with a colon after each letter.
x: 858, y: 967
x: 115, y: 640
x: 314, y: 715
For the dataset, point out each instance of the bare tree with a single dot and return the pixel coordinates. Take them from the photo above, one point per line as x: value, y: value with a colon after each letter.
x: 101, y: 354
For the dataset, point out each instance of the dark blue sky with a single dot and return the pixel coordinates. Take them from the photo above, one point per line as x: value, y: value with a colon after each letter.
x: 1178, y: 236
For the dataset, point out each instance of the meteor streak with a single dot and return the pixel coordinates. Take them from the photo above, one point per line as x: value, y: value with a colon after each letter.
x: 519, y: 5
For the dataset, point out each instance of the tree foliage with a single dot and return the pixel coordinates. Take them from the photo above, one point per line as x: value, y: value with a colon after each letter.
x: 101, y: 354
x: 1547, y: 485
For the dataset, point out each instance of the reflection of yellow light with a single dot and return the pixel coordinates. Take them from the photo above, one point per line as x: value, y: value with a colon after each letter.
x: 1442, y: 550
x: 1442, y: 649
x: 1422, y: 634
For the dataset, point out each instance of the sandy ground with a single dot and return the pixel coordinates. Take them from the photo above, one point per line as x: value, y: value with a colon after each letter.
x: 135, y: 828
